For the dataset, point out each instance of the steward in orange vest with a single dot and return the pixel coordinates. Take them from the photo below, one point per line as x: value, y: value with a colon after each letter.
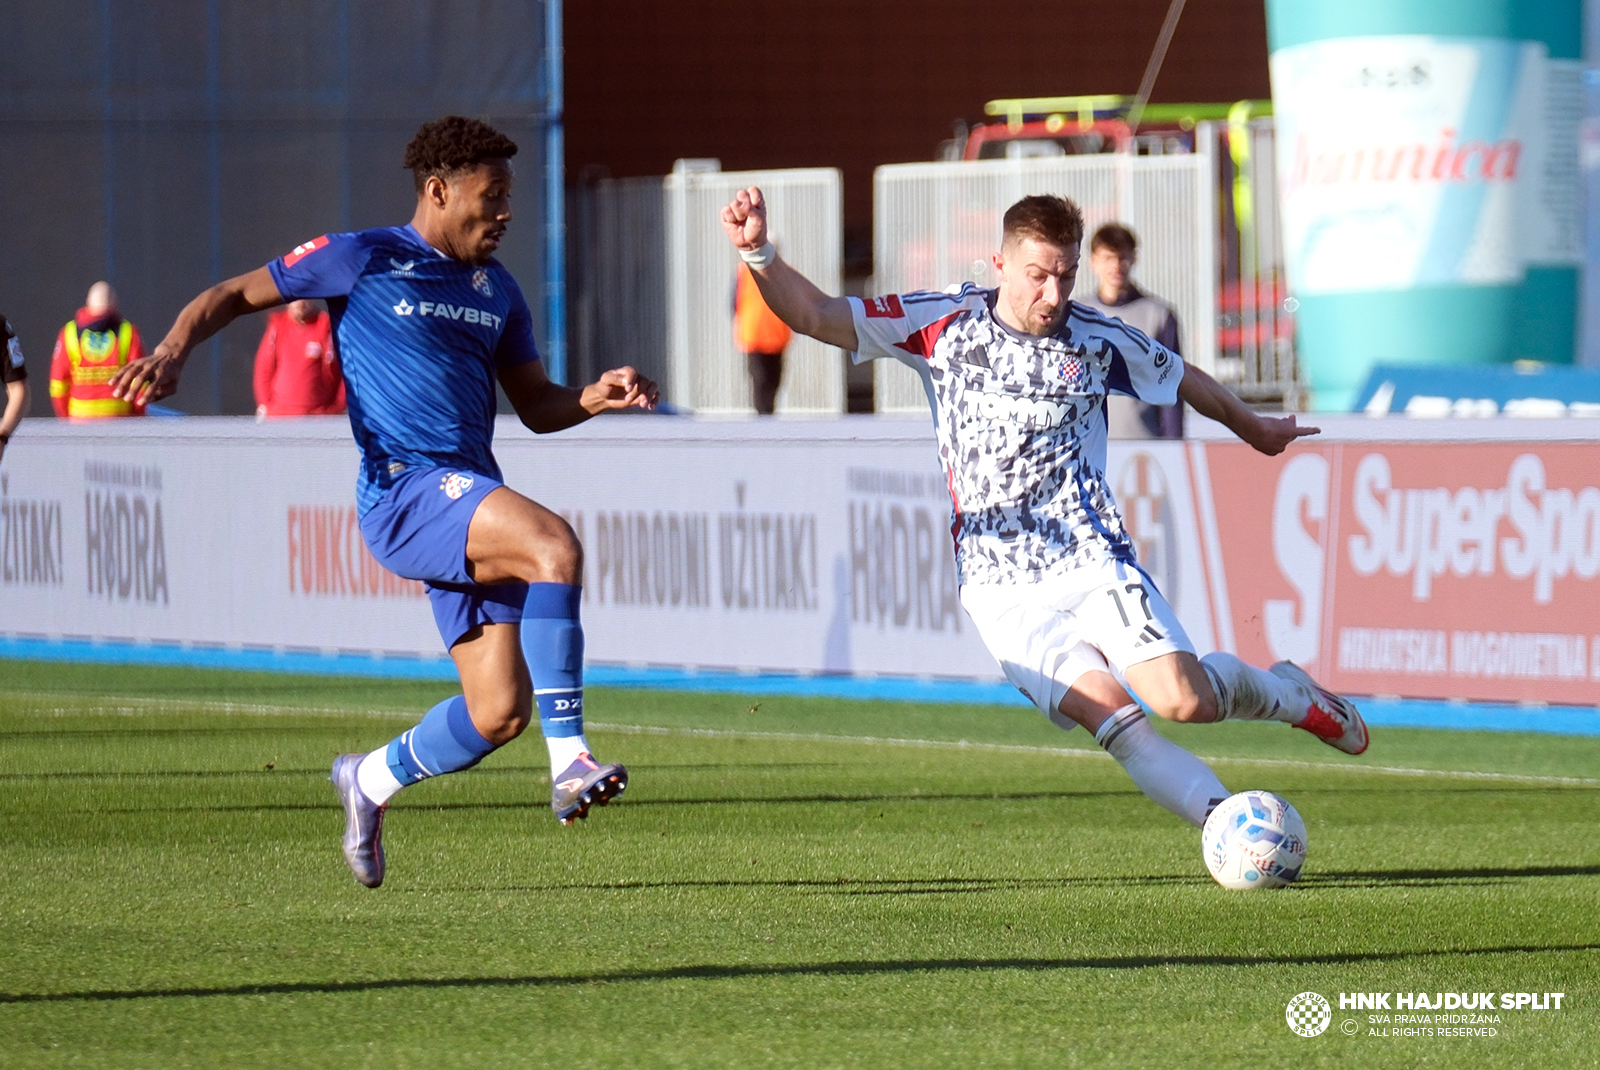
x: 89, y: 350
x: 761, y: 336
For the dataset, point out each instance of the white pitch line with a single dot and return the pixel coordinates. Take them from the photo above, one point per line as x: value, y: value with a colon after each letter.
x: 140, y: 705
x: 1080, y: 752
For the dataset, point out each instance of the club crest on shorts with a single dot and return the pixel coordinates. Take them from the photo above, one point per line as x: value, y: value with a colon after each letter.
x: 480, y: 282
x: 455, y: 484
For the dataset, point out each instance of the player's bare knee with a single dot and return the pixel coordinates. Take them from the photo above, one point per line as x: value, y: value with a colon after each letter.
x: 1188, y: 708
x: 556, y: 555
x: 502, y: 718
x: 500, y: 709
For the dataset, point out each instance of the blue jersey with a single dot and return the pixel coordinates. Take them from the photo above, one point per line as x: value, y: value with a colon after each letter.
x: 422, y: 338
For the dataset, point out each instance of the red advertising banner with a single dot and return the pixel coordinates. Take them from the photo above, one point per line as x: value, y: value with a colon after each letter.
x: 1431, y: 570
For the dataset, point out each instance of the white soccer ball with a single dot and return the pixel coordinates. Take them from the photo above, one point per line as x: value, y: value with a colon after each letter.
x: 1254, y: 839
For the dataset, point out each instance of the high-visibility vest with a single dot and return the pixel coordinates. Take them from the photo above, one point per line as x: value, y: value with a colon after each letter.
x: 756, y: 328
x: 96, y: 357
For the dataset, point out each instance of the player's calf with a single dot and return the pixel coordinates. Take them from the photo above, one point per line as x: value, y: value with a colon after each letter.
x: 1175, y: 687
x: 1169, y: 775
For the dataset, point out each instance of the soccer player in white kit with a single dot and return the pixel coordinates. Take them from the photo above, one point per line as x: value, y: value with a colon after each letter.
x: 1017, y: 377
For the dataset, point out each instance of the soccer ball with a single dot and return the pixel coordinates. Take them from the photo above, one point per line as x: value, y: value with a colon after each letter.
x: 1254, y: 839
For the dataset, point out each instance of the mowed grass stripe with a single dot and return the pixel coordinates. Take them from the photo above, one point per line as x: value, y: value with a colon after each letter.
x: 132, y: 705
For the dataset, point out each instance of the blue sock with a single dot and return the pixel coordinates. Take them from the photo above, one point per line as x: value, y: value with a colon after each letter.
x: 552, y: 644
x: 446, y: 741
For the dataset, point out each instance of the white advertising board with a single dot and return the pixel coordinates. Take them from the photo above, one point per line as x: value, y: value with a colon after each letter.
x: 1425, y: 558
x: 795, y: 546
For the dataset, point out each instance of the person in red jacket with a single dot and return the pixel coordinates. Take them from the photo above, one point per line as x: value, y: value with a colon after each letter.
x: 297, y: 368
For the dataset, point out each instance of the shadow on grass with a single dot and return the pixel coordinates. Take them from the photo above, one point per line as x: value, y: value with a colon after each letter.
x: 634, y: 804
x: 1438, y: 878
x: 1411, y: 878
x: 321, y: 772
x: 733, y: 971
x: 853, y: 885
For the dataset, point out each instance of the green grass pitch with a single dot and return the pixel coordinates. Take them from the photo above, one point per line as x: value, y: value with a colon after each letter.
x: 788, y: 882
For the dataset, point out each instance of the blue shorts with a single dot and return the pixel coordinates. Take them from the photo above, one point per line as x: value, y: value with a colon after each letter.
x: 418, y: 530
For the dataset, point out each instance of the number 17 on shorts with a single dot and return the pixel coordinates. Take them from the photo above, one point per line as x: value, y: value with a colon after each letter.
x: 1046, y: 633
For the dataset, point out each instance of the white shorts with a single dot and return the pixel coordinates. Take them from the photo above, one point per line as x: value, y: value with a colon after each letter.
x: 1047, y: 633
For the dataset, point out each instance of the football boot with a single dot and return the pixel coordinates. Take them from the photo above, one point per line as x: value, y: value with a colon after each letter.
x: 583, y: 784
x: 1331, y: 718
x: 363, y: 822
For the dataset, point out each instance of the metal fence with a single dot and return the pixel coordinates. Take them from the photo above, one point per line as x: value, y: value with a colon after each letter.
x: 653, y: 279
x: 617, y: 284
x: 1255, y: 314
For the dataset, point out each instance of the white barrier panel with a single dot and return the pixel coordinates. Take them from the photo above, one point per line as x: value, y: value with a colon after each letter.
x: 708, y: 372
x: 937, y: 224
x: 654, y: 277
x: 816, y: 546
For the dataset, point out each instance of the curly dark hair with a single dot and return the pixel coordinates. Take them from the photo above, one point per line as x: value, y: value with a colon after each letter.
x: 448, y: 146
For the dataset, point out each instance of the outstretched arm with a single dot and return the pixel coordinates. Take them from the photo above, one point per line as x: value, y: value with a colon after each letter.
x: 544, y: 406
x: 16, y: 404
x: 793, y: 298
x: 1268, y: 434
x: 156, y: 376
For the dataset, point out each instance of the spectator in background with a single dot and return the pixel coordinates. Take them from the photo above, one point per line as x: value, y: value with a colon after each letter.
x: 762, y: 338
x: 90, y: 349
x: 14, y: 374
x: 297, y: 368
x: 1112, y: 253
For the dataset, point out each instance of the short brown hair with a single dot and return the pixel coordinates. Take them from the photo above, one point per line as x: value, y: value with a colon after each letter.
x: 1043, y: 217
x: 1116, y: 237
x: 446, y: 147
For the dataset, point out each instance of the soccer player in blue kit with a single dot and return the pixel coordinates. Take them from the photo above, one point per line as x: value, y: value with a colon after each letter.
x: 427, y: 321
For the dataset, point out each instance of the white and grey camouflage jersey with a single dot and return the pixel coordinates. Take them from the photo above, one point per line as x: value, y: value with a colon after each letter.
x: 1021, y: 423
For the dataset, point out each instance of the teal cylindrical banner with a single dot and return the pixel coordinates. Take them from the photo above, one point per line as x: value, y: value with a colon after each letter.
x: 1414, y: 164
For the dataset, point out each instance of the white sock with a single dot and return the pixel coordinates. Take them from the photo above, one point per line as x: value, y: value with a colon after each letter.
x: 1171, y: 776
x: 374, y: 778
x: 564, y: 750
x: 1246, y: 693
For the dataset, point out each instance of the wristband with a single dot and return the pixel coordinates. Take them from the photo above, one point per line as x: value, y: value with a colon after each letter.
x: 759, y: 259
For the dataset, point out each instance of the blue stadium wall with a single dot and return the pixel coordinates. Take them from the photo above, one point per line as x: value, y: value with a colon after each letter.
x: 165, y: 146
